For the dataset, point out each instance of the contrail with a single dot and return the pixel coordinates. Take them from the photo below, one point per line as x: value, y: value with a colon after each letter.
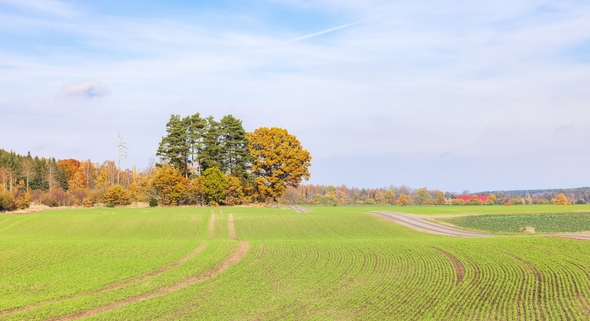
x: 323, y: 32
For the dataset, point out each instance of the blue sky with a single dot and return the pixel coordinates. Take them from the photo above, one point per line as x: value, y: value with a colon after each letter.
x: 444, y: 94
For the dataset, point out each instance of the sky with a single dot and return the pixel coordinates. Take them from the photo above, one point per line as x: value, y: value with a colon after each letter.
x: 450, y: 95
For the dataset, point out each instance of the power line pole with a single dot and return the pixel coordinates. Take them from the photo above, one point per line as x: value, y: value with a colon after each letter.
x: 121, y: 153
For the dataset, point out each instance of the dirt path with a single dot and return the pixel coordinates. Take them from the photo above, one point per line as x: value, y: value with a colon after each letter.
x: 230, y: 226
x: 229, y: 261
x: 459, y: 268
x: 299, y: 209
x: 422, y: 224
x: 211, y: 225
x: 426, y: 226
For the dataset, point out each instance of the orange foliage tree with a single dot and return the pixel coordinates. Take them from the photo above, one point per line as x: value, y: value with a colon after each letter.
x: 278, y: 161
x: 560, y: 199
x: 74, y: 174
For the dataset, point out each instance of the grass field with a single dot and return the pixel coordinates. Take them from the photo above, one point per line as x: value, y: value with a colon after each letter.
x: 542, y: 223
x: 331, y: 264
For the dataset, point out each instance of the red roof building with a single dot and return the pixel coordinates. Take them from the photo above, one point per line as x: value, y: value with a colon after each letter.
x: 483, y: 198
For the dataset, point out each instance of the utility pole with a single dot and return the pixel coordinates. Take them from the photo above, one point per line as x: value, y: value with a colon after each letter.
x: 121, y: 153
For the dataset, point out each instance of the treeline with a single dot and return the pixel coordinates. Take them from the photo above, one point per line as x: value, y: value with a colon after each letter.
x: 201, y: 161
x: 329, y: 195
x: 579, y: 195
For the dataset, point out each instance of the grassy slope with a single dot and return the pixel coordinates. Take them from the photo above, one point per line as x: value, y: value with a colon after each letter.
x: 334, y: 263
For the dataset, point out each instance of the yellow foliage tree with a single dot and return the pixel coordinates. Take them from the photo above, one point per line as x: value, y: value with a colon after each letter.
x: 560, y: 199
x: 234, y: 194
x: 170, y: 185
x: 278, y: 161
x: 117, y: 195
x: 403, y: 200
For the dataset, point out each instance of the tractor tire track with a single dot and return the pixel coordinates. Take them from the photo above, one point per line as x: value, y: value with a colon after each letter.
x: 121, y: 284
x: 459, y: 268
x: 228, y: 262
x: 230, y: 226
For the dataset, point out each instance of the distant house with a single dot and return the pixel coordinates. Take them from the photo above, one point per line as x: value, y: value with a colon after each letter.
x: 483, y: 198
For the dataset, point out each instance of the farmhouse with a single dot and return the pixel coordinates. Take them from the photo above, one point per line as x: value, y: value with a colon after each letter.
x: 483, y: 198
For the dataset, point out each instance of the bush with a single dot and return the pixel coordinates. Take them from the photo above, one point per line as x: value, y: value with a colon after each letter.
x: 109, y: 205
x: 153, y: 202
x: 459, y: 202
x: 7, y: 202
x: 117, y: 195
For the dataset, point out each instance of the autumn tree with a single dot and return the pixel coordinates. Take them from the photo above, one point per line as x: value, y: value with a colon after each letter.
x: 440, y: 198
x: 422, y: 196
x: 73, y: 173
x: 234, y: 194
x: 560, y: 199
x: 403, y: 200
x: 491, y: 199
x: 390, y: 197
x: 215, y: 183
x: 117, y: 195
x: 170, y: 185
x: 278, y: 161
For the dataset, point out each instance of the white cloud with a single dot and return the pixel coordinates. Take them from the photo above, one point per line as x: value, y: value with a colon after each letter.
x: 85, y: 89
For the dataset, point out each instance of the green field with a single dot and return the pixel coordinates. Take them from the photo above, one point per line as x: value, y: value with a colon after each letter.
x: 331, y: 264
x: 542, y: 223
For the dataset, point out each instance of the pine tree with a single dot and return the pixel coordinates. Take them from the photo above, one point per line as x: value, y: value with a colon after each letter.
x: 174, y: 147
x: 234, y: 152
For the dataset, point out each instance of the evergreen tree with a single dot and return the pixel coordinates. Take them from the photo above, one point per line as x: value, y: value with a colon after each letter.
x: 234, y: 153
x: 212, y: 151
x: 174, y: 148
x: 196, y: 127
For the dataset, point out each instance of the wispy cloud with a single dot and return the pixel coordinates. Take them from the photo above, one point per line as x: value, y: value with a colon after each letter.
x: 85, y: 89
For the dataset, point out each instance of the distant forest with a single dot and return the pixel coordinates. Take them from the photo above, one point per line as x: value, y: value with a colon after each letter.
x: 212, y: 171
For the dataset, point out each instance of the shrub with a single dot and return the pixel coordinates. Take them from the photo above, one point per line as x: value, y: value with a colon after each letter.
x: 117, y: 195
x: 153, y: 202
x: 7, y: 202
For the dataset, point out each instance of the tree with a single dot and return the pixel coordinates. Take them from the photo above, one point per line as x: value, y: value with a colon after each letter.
x: 234, y: 156
x: 212, y: 150
x: 215, y: 183
x: 170, y: 185
x: 278, y: 161
x: 560, y: 199
x: 491, y: 199
x: 234, y: 194
x: 440, y: 198
x: 403, y: 200
x: 422, y: 197
x: 174, y: 147
x: 117, y: 195
x: 196, y: 128
x: 390, y: 197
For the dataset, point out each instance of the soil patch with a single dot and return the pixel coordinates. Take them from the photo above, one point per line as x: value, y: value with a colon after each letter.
x: 459, y: 268
x: 211, y: 225
x: 232, y: 230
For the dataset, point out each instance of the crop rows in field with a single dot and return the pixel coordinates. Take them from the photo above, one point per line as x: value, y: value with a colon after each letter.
x: 205, y: 261
x: 327, y: 265
x: 542, y: 223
